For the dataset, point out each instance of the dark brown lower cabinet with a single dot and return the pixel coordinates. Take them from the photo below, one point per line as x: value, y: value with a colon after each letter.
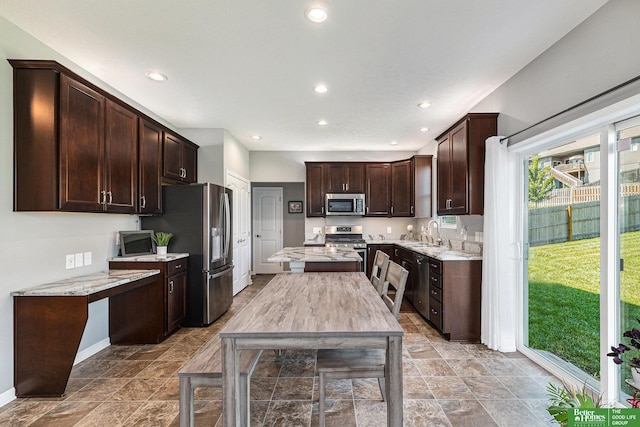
x: 455, y: 290
x: 169, y: 298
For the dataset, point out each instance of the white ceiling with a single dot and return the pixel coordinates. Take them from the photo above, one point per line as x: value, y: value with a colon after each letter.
x: 249, y: 66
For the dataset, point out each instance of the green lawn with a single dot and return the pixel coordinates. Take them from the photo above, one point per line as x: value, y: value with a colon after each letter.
x: 564, y: 288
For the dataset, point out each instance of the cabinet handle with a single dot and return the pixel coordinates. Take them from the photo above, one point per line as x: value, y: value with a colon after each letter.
x: 322, y: 210
x: 391, y: 210
x: 434, y: 312
x: 177, y: 266
x: 347, y: 186
x: 171, y: 286
x: 102, y: 198
x: 110, y: 197
x: 412, y: 212
x: 143, y: 201
x: 433, y: 292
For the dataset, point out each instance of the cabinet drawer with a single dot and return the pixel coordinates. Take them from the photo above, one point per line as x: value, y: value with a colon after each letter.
x: 435, y: 292
x: 176, y: 267
x: 435, y: 266
x: 435, y: 281
x: 435, y: 313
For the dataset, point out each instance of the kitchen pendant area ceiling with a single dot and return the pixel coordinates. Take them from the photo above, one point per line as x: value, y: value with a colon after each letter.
x: 250, y: 66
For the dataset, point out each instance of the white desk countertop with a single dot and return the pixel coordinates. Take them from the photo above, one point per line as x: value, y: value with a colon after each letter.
x: 86, y: 285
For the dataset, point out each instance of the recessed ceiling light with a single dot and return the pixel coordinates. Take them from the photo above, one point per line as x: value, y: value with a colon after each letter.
x: 256, y: 137
x: 316, y: 14
x: 424, y: 104
x: 322, y: 123
x: 320, y: 88
x: 394, y: 142
x: 156, y: 76
x: 425, y: 129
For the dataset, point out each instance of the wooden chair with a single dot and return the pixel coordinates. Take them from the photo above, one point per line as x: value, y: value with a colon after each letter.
x: 361, y: 363
x: 379, y: 270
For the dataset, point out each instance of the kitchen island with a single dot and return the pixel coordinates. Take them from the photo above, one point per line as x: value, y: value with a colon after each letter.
x: 49, y: 321
x: 317, y: 259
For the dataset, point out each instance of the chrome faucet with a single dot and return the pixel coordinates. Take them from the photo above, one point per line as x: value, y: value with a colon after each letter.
x: 438, y: 239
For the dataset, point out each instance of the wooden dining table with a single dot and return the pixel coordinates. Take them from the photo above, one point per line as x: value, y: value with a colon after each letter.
x: 313, y: 311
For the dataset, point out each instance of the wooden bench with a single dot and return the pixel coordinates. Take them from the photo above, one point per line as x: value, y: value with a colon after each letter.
x: 204, y: 369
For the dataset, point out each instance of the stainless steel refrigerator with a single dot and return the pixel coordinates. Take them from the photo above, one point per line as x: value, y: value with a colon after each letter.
x: 199, y: 216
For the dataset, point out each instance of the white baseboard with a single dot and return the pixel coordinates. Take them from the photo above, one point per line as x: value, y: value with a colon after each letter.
x: 90, y: 351
x: 7, y: 396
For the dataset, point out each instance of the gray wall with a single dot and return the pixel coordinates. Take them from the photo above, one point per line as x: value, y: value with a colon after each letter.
x: 595, y: 56
x: 293, y: 224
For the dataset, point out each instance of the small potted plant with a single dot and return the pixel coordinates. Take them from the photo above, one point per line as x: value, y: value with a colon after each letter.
x: 632, y: 353
x: 162, y: 241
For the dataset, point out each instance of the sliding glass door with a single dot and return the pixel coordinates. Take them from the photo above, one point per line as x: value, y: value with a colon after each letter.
x: 563, y: 267
x: 628, y: 140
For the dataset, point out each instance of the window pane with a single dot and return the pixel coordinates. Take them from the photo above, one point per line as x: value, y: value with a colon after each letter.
x: 564, y: 256
x: 629, y: 239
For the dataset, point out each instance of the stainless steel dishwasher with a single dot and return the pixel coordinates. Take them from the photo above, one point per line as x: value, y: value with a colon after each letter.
x: 421, y: 290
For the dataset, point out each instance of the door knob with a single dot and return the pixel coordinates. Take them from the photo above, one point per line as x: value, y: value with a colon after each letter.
x: 257, y: 235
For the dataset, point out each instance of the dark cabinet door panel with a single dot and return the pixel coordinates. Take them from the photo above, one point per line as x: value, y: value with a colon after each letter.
x: 402, y: 194
x: 172, y: 154
x: 377, y: 195
x: 81, y: 147
x: 150, y: 167
x: 121, y: 159
x: 315, y: 190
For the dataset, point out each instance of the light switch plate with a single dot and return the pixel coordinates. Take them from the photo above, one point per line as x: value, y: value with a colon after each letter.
x: 79, y: 260
x: 388, y: 230
x: 71, y: 261
x: 87, y: 258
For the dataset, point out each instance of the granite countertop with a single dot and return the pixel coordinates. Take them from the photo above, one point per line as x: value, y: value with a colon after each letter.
x: 86, y: 285
x: 443, y: 253
x: 150, y: 257
x: 315, y: 254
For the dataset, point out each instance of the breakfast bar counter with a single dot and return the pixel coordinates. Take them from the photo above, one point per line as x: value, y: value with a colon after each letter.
x: 315, y: 259
x: 49, y: 321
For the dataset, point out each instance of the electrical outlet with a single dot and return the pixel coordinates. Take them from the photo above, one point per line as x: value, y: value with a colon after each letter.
x: 71, y: 261
x: 388, y: 230
x: 87, y: 258
x: 317, y: 230
x: 79, y: 260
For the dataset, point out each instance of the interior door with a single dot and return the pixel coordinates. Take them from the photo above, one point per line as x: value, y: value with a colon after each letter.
x: 267, y: 228
x: 241, y: 231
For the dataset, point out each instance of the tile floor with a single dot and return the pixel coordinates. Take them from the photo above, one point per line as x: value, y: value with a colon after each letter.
x: 445, y: 384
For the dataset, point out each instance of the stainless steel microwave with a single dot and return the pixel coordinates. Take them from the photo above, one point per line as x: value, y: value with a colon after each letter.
x: 345, y: 204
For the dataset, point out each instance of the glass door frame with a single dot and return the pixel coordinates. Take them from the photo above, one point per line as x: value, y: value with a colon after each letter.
x: 609, y: 375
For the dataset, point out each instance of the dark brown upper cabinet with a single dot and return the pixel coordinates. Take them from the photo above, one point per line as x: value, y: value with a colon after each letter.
x: 315, y: 190
x: 180, y: 159
x: 77, y: 147
x: 149, y: 168
x: 74, y: 149
x: 344, y: 177
x: 402, y: 197
x: 378, y: 190
x: 461, y: 164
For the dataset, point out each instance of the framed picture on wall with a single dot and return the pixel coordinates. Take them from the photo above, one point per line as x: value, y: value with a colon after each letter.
x: 295, y: 207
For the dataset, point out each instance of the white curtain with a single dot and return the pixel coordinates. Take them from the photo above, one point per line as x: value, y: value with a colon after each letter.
x: 499, y: 288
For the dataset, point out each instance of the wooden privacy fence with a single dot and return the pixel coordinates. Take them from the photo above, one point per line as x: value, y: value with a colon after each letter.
x: 569, y: 196
x: 578, y: 221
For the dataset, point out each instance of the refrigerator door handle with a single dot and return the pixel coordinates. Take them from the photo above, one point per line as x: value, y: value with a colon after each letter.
x: 227, y: 224
x: 221, y: 273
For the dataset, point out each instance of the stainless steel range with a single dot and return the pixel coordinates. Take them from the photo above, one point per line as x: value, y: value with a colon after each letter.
x: 347, y: 236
